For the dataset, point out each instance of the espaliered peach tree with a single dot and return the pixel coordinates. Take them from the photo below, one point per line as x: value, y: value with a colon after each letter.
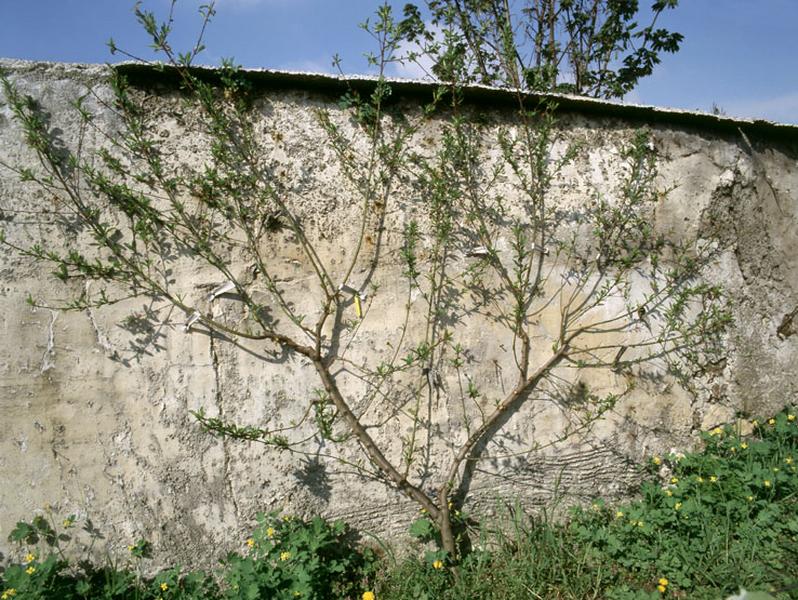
x: 484, y: 243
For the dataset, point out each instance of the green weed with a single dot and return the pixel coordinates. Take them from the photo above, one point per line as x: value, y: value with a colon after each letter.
x: 723, y: 516
x: 290, y: 558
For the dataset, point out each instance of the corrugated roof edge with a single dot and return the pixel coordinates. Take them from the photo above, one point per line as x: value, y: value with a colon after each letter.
x: 148, y: 74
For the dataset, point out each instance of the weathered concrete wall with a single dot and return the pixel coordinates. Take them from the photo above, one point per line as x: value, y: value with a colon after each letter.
x: 96, y: 419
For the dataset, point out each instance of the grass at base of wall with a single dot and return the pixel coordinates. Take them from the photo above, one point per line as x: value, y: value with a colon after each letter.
x: 705, y: 524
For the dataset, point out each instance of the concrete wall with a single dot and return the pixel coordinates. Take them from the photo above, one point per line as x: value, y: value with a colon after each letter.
x: 95, y: 418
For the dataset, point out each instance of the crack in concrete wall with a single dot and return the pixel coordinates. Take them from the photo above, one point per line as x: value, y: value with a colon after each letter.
x: 219, y: 397
x: 48, y: 358
x: 102, y: 338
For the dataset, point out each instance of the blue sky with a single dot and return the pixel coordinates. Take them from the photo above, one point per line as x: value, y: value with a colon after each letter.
x: 741, y: 55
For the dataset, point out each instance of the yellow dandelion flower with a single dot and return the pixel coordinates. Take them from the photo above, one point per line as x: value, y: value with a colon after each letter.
x: 251, y: 543
x: 699, y: 479
x: 30, y: 570
x: 640, y: 523
x: 270, y: 532
x: 776, y: 469
x: 744, y: 446
x: 68, y: 522
x: 674, y: 480
x: 713, y: 478
x: 716, y: 431
x: 677, y: 506
x: 668, y: 493
x: 368, y: 596
x: 750, y: 498
x: 164, y: 586
x: 771, y: 422
x: 285, y: 555
x: 733, y: 449
x: 788, y: 460
x: 767, y: 483
x: 754, y: 422
x: 30, y: 557
x: 656, y: 460
x: 791, y: 417
x: 661, y: 589
x: 10, y: 592
x: 297, y: 594
x: 131, y: 548
x: 619, y: 514
x: 663, y: 581
x: 437, y: 564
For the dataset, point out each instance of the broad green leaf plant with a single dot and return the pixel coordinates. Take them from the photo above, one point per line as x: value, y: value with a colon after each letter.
x: 484, y: 244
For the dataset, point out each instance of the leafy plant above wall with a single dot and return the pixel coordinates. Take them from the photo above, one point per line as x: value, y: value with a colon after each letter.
x: 484, y: 247
x: 593, y: 48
